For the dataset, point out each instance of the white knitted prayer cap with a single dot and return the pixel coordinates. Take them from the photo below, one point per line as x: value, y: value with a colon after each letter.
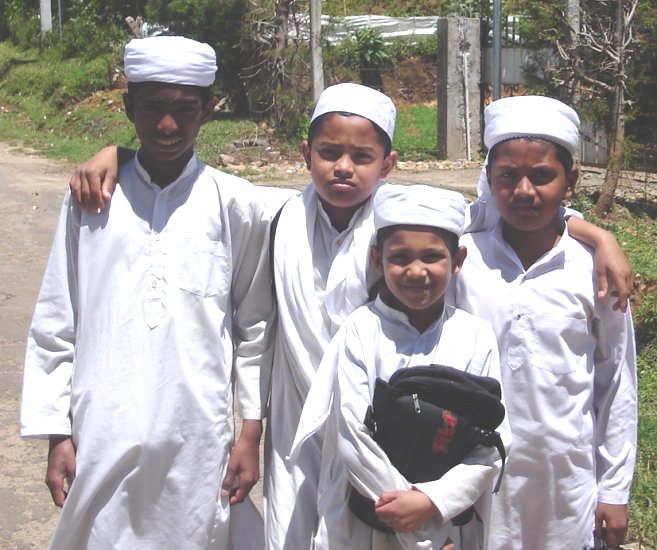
x: 170, y: 60
x: 531, y: 116
x: 419, y: 205
x: 358, y: 100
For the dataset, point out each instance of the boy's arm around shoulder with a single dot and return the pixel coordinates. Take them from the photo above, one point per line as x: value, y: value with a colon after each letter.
x: 610, y: 261
x: 51, y: 339
x: 92, y: 182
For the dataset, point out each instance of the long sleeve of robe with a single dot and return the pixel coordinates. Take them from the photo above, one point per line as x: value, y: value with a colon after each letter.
x: 149, y: 313
x: 569, y: 377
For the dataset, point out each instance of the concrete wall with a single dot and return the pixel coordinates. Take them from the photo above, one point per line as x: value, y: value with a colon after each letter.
x: 459, y: 88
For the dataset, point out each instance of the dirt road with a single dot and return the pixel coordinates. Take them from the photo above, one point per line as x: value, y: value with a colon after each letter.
x: 31, y: 191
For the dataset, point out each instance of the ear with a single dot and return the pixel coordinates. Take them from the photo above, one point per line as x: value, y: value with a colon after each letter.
x: 571, y: 180
x: 127, y: 103
x: 388, y: 164
x: 208, y: 110
x: 377, y: 259
x: 458, y: 259
x: 305, y: 151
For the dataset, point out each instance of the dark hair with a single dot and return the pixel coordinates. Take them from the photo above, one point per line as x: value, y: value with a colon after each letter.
x: 451, y: 239
x: 316, y: 126
x: 205, y: 92
x: 563, y: 155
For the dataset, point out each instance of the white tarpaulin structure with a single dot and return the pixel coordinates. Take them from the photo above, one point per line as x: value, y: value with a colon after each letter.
x: 336, y: 29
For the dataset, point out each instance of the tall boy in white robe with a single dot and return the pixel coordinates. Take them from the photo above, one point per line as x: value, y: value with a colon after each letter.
x: 151, y: 314
x: 567, y: 358
x: 408, y: 324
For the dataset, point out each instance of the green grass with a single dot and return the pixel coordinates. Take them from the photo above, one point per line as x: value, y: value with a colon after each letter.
x: 416, y: 132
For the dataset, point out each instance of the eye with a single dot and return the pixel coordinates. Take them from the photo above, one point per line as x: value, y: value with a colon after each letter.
x: 362, y: 157
x: 187, y: 109
x: 398, y: 258
x: 433, y: 257
x: 328, y: 153
x: 543, y: 176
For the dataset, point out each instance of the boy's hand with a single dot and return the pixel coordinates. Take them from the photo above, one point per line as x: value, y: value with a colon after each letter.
x: 243, y: 464
x: 611, y: 524
x: 405, y: 511
x: 611, y: 263
x: 93, y: 182
x: 61, y: 467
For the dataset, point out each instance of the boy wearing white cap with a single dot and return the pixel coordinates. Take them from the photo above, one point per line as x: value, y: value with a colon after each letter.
x: 149, y: 314
x: 568, y: 359
x: 321, y: 274
x: 408, y: 324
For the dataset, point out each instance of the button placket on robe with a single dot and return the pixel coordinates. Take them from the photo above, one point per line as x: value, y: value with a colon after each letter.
x: 517, y: 351
x: 156, y: 292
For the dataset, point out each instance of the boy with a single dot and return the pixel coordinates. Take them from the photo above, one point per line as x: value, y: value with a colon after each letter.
x: 321, y: 275
x: 417, y: 253
x: 147, y: 313
x: 568, y: 359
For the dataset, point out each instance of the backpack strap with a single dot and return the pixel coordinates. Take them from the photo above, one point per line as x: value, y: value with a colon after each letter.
x: 272, y: 236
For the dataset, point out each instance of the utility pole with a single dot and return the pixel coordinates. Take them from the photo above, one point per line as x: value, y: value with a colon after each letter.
x: 497, y: 49
x: 45, y: 14
x: 316, y: 60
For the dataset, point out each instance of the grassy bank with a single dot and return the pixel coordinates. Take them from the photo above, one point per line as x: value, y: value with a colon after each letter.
x: 65, y: 109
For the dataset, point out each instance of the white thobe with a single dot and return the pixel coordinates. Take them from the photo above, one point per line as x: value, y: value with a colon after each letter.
x: 147, y: 315
x: 321, y: 276
x: 375, y: 341
x: 569, y: 377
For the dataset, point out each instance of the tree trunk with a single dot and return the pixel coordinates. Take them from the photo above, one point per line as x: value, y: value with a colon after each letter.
x: 617, y: 123
x: 615, y: 161
x: 281, y: 17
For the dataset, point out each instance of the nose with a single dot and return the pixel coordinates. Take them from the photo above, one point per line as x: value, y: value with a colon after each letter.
x: 167, y: 124
x: 343, y: 167
x: 417, y: 270
x: 524, y: 188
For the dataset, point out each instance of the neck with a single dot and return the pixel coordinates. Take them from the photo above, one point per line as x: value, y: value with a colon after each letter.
x: 340, y: 217
x: 531, y: 245
x: 163, y: 173
x: 419, y: 319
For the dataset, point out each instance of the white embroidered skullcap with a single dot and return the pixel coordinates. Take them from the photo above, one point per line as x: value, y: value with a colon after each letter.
x: 531, y: 116
x: 358, y: 100
x: 171, y: 60
x: 419, y: 205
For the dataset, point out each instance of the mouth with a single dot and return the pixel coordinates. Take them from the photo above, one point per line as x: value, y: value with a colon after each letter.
x: 416, y: 288
x: 341, y: 183
x: 168, y: 142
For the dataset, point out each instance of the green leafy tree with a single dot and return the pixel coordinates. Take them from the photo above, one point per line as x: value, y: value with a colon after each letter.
x: 225, y: 25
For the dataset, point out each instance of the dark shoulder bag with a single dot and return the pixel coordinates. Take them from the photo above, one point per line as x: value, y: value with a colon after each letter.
x: 427, y: 419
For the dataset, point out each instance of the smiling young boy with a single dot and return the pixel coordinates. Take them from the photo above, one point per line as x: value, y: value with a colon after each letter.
x: 568, y: 359
x: 150, y: 315
x: 417, y: 253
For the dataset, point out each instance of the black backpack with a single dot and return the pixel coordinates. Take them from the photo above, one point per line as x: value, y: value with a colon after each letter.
x: 427, y: 419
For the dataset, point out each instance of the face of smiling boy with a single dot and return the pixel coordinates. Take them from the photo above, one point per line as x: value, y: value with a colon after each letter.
x: 167, y: 118
x: 346, y: 161
x: 417, y: 265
